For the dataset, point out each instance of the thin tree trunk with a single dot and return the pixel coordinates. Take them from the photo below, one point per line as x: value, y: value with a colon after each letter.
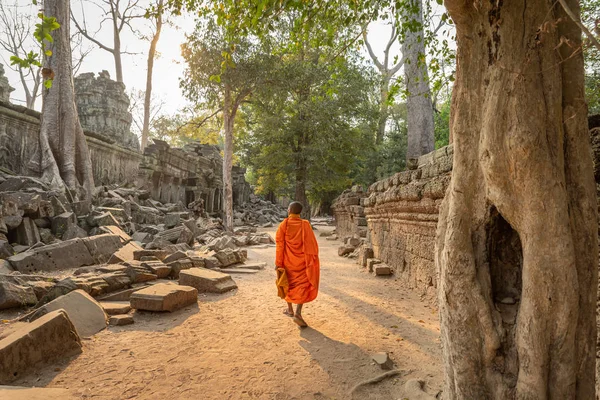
x: 65, y: 159
x: 117, y: 48
x: 300, y: 189
x: 383, y: 106
x: 419, y: 108
x: 516, y: 247
x: 148, y: 94
x: 228, y: 118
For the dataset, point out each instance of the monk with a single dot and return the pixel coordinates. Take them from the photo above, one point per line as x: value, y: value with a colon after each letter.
x: 298, y: 253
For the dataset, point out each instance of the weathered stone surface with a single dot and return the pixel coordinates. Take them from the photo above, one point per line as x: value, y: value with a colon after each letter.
x: 85, y: 313
x: 61, y: 222
x: 254, y: 265
x: 172, y: 220
x: 115, y: 307
x: 206, y: 280
x: 5, y: 267
x: 142, y: 237
x: 103, y: 108
x: 120, y: 320
x: 345, y: 250
x: 69, y: 254
x: 13, y: 295
x: 178, y: 266
x: 5, y: 88
x: 364, y: 254
x: 382, y: 270
x: 164, y: 297
x: 138, y: 273
x: 115, y: 230
x: 158, y: 268
x: 125, y: 253
x: 46, y: 340
x: 122, y: 295
x: 73, y: 232
x: 6, y: 250
x: 104, y: 219
x: 229, y: 257
x: 102, y: 247
x: 383, y: 360
x: 371, y: 262
x: 160, y: 254
x: 212, y: 262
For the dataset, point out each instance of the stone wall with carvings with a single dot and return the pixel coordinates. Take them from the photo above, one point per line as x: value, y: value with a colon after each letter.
x: 5, y: 88
x: 103, y: 108
x: 349, y: 212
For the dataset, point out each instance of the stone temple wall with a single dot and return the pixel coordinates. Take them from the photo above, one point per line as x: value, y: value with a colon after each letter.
x: 349, y: 212
x: 171, y: 175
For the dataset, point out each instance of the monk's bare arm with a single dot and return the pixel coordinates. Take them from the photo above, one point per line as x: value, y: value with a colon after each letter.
x: 280, y: 243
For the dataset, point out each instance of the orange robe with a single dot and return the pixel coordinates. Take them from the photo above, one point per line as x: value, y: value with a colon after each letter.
x: 298, y: 253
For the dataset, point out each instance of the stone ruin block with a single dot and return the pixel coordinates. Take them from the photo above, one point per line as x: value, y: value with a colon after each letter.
x: 48, y: 339
x: 13, y: 295
x: 206, y: 280
x: 84, y: 312
x: 382, y: 270
x: 164, y: 297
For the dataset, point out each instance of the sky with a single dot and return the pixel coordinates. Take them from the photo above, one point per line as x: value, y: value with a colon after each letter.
x: 169, y: 65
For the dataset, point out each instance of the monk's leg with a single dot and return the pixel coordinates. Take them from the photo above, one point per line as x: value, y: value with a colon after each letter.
x: 298, y: 316
x: 290, y: 310
x: 299, y: 310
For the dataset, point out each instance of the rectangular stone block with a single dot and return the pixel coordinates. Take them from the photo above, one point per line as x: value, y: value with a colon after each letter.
x: 206, y: 280
x: 125, y: 253
x: 102, y: 247
x: 115, y: 230
x: 54, y: 257
x: 164, y: 297
x: 49, y: 339
x: 28, y: 233
x: 382, y: 270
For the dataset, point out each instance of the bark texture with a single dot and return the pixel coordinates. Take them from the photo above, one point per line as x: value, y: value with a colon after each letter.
x: 65, y: 158
x: 148, y: 94
x: 228, y: 118
x: 419, y: 106
x: 516, y: 246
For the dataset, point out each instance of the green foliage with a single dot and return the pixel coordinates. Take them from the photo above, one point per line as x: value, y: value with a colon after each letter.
x: 42, y: 34
x: 442, y: 124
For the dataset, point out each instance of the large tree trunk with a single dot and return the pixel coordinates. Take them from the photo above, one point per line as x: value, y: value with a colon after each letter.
x: 300, y: 187
x: 419, y: 108
x: 516, y: 248
x: 228, y: 118
x: 64, y: 152
x: 148, y: 94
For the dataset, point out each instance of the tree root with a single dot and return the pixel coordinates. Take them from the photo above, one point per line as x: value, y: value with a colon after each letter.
x: 377, y: 379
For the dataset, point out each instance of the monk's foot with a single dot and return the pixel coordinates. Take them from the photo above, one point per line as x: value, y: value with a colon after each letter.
x: 300, y: 321
x: 289, y: 313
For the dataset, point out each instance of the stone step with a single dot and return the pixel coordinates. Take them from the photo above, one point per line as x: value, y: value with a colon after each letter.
x: 120, y: 320
x: 116, y: 307
x: 164, y: 297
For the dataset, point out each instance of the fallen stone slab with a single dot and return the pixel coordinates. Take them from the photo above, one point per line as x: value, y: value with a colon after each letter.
x: 102, y: 247
x: 206, y: 280
x: 158, y: 268
x: 120, y: 320
x: 28, y: 233
x: 46, y: 340
x: 164, y: 297
x: 229, y: 257
x: 5, y: 267
x: 125, y: 253
x: 33, y: 393
x: 13, y: 295
x: 85, y: 313
x: 122, y: 295
x: 115, y: 307
x: 178, y: 255
x: 138, y: 273
x: 54, y: 257
x: 238, y: 271
x: 160, y: 254
x: 115, y: 230
x: 253, y: 265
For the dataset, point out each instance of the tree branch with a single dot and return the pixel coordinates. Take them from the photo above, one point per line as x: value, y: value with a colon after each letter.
x: 370, y: 50
x: 573, y: 17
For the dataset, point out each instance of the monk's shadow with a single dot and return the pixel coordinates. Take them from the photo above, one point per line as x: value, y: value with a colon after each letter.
x: 345, y: 363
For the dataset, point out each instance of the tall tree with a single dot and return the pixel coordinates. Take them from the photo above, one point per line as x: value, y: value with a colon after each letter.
x: 386, y: 72
x: 419, y: 107
x: 517, y: 250
x: 65, y: 158
x: 206, y: 80
x: 16, y: 39
x: 120, y: 14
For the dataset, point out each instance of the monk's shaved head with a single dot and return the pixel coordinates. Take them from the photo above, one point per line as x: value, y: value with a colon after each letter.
x: 295, y: 207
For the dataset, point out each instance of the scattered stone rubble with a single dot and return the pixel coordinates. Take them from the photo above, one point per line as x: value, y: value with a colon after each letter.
x: 74, y: 267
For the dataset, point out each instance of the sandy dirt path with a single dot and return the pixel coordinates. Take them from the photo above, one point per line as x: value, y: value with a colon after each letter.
x: 240, y: 346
